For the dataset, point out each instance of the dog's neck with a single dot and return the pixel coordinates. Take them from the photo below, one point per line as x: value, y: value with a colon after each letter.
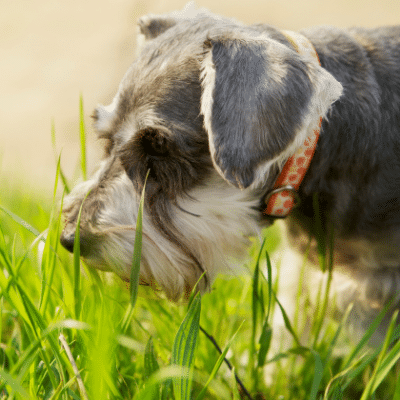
x: 283, y: 197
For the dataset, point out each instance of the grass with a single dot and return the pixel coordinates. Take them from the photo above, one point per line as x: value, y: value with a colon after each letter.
x: 69, y: 332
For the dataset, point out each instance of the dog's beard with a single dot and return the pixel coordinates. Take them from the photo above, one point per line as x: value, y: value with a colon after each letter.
x: 211, y: 228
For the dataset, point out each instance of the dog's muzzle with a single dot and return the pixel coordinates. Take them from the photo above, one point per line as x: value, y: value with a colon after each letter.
x: 67, y: 240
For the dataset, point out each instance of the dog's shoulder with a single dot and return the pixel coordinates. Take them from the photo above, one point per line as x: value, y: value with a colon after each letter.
x: 357, y: 166
x: 378, y: 46
x: 331, y: 37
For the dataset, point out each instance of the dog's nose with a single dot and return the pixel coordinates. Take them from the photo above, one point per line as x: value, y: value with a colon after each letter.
x: 67, y: 240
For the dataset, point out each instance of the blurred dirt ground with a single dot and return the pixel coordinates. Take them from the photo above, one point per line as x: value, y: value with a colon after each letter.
x: 53, y: 51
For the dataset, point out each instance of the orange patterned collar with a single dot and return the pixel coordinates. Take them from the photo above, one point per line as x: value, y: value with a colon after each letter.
x: 283, y: 197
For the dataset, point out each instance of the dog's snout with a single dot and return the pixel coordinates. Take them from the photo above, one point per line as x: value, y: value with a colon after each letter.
x: 67, y: 240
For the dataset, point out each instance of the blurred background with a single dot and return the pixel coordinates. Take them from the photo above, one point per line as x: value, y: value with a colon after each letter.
x: 52, y: 51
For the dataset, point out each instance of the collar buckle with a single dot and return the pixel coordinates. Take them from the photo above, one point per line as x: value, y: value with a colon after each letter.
x: 286, y: 196
x: 285, y: 188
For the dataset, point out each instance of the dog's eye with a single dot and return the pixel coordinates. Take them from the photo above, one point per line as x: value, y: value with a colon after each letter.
x: 153, y: 143
x: 149, y: 149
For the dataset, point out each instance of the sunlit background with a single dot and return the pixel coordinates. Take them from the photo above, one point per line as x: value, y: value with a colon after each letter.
x: 53, y: 51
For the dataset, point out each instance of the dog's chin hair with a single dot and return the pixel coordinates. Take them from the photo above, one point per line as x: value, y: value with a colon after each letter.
x: 226, y: 219
x: 162, y: 264
x: 161, y: 267
x: 215, y: 222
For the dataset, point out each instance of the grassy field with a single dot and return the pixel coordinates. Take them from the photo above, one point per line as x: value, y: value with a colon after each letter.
x: 68, y: 332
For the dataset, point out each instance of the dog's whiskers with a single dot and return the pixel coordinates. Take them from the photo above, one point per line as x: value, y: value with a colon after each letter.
x: 118, y: 228
x: 187, y: 212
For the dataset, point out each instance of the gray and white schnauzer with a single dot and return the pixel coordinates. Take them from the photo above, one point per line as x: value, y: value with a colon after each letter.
x: 215, y: 109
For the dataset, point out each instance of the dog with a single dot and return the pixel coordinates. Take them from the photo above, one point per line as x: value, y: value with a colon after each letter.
x: 214, y: 109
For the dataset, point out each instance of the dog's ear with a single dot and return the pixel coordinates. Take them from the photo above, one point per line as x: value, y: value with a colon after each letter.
x: 259, y: 99
x: 151, y: 26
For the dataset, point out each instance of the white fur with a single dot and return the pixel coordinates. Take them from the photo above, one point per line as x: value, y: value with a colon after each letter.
x: 219, y: 236
x: 227, y: 218
x: 106, y: 115
x: 140, y: 37
x: 207, y: 78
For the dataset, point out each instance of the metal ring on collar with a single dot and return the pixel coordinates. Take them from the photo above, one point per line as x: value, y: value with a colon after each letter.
x: 286, y: 188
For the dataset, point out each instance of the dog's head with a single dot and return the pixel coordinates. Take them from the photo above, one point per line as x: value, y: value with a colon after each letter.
x: 212, y: 108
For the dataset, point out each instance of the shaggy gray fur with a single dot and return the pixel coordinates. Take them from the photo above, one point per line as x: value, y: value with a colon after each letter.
x: 184, y: 118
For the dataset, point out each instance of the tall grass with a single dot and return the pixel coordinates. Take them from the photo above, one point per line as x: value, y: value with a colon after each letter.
x: 70, y: 332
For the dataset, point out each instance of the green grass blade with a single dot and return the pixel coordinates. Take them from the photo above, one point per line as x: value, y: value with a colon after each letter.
x: 20, y: 221
x: 77, y: 271
x: 184, y: 348
x: 325, y: 265
x: 356, y: 368
x: 14, y: 384
x: 387, y: 364
x: 1, y: 318
x: 40, y: 324
x: 329, y: 352
x: 266, y: 331
x: 164, y: 374
x: 258, y: 311
x: 319, y: 232
x: 318, y: 374
x: 53, y: 134
x: 64, y: 180
x: 217, y: 366
x: 49, y: 258
x: 137, y: 249
x: 368, y: 334
x: 77, y: 264
x: 288, y: 325
x: 396, y: 395
x: 151, y: 367
x: 264, y: 342
x: 194, y: 291
x: 383, y: 364
x: 284, y: 314
x: 137, y: 255
x: 49, y: 264
x: 126, y: 320
x: 257, y: 289
x: 53, y: 142
x: 235, y: 390
x: 167, y: 390
x: 58, y: 169
x: 30, y: 353
x: 269, y: 283
x: 337, y: 393
x: 150, y: 360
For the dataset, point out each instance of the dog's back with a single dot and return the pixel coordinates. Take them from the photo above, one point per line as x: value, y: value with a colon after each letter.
x: 356, y: 170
